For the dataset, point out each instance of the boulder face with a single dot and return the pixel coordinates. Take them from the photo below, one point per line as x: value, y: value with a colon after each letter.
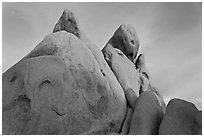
x: 147, y: 115
x: 181, y: 118
x: 68, y: 17
x: 120, y: 52
x: 123, y: 69
x: 58, y: 88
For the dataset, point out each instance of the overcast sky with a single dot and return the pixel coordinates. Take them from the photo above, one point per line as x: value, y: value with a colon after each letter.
x: 170, y: 37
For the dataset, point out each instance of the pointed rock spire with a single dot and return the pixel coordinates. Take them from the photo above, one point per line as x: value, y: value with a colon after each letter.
x: 69, y: 23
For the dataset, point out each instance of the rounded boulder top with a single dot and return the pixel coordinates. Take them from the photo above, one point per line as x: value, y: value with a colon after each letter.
x: 125, y: 38
x: 181, y: 118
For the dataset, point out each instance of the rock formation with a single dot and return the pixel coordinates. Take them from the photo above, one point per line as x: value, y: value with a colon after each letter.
x: 144, y: 74
x: 123, y: 69
x: 120, y: 52
x: 131, y: 73
x: 72, y: 95
x: 69, y: 23
x: 69, y: 18
x: 67, y: 85
x: 125, y: 38
x: 147, y: 115
x: 181, y: 118
x: 146, y: 81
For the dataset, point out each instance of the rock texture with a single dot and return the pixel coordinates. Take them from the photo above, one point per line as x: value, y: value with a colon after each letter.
x: 145, y: 105
x: 181, y: 118
x: 144, y: 74
x: 74, y: 28
x: 123, y: 69
x: 147, y: 115
x: 61, y: 88
x: 125, y: 38
x: 67, y: 85
x: 120, y: 52
x: 69, y: 23
x: 146, y: 83
x: 131, y: 76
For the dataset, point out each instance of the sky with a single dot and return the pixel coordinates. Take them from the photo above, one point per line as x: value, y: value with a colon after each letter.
x: 170, y: 37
